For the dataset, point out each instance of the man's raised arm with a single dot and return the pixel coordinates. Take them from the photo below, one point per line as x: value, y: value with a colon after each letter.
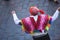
x: 55, y: 16
x: 15, y: 18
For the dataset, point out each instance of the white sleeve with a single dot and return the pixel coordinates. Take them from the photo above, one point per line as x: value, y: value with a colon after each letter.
x: 15, y: 18
x: 55, y: 16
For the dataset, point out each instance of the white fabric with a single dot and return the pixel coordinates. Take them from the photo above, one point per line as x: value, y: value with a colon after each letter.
x: 16, y: 20
x: 55, y: 16
x: 35, y: 17
x: 39, y: 34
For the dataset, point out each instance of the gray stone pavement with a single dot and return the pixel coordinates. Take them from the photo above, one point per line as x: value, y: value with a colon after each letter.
x: 10, y: 31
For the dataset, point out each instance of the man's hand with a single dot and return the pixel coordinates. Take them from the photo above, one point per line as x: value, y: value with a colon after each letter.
x: 13, y: 12
x: 59, y: 9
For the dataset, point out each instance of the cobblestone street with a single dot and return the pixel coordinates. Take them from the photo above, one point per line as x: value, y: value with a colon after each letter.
x: 10, y: 31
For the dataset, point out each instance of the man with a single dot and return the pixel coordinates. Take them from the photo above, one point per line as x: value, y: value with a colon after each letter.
x: 37, y: 24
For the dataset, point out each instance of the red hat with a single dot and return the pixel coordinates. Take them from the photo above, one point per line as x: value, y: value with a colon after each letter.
x: 34, y: 10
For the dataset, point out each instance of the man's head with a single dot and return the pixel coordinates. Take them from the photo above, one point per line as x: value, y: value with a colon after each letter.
x: 33, y: 10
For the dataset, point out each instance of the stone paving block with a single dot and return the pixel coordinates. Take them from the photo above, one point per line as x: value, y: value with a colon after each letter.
x: 25, y: 6
x: 26, y: 2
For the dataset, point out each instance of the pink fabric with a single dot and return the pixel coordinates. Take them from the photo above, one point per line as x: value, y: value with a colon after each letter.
x: 42, y: 22
x: 30, y: 24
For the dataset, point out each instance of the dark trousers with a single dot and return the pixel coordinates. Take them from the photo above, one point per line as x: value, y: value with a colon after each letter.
x: 45, y: 37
